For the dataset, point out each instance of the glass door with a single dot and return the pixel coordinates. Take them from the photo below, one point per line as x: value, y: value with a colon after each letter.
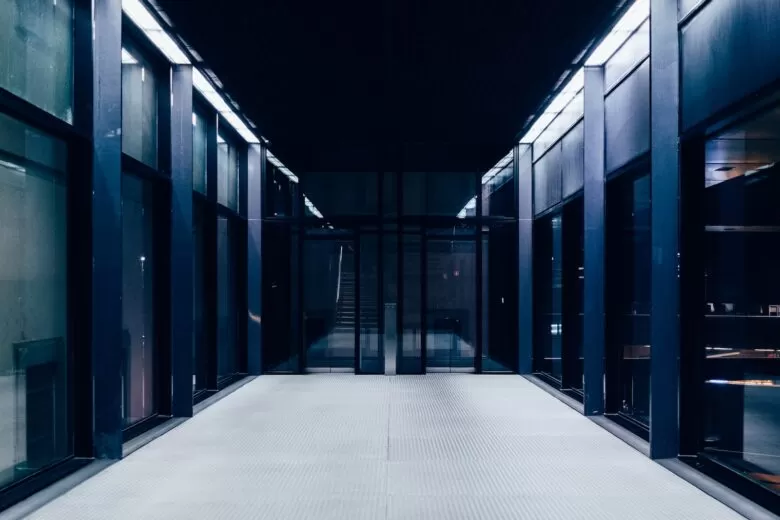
x: 450, y: 303
x: 329, y: 303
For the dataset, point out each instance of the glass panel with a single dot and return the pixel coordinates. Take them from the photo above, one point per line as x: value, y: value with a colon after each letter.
x: 280, y: 272
x: 199, y: 151
x: 342, y: 193
x: 139, y: 108
x: 280, y: 193
x: 628, y: 298
x: 499, y: 298
x: 200, y: 360
x: 371, y: 355
x: 138, y: 299
x: 36, y: 53
x: 451, y: 322
x: 227, y: 347
x: 35, y: 426
x: 549, y: 273
x: 329, y: 304
x: 742, y: 299
x: 410, y: 355
x: 227, y: 173
x: 390, y: 295
x: 498, y: 197
x: 439, y: 193
x: 573, y: 293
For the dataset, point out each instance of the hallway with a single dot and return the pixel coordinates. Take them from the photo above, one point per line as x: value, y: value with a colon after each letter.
x: 371, y: 447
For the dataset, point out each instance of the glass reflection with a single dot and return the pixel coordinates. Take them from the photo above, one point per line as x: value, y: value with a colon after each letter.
x: 227, y: 318
x: 548, y: 253
x: 199, y: 152
x: 451, y: 307
x: 139, y: 108
x: 36, y: 53
x: 742, y: 299
x: 628, y: 298
x: 227, y: 173
x: 329, y: 303
x: 138, y: 341
x: 35, y: 426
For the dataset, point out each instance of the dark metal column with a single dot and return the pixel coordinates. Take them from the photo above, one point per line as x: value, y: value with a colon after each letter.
x: 523, y: 164
x: 181, y: 245
x: 107, y: 229
x: 210, y: 294
x: 594, y: 221
x: 254, y: 255
x: 665, y: 175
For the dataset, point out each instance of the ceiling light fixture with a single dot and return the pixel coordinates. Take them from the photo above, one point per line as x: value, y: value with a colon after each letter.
x: 145, y: 20
x: 631, y: 20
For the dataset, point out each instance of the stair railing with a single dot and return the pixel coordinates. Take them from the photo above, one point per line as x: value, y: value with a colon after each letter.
x: 338, y: 283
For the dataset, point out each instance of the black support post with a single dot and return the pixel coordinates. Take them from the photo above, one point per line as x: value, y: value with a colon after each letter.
x: 254, y: 254
x: 594, y: 221
x: 210, y: 294
x: 181, y: 245
x: 107, y: 229
x: 665, y: 221
x: 523, y: 164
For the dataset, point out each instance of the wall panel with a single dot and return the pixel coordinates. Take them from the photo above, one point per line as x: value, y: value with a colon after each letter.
x: 729, y: 50
x: 573, y: 160
x: 627, y: 119
x: 547, y: 179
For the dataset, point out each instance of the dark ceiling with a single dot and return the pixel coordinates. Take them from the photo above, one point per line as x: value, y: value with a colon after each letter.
x: 337, y: 85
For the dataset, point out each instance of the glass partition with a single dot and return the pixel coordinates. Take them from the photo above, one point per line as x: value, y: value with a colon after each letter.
x: 139, y: 107
x: 36, y: 53
x: 35, y: 427
x: 628, y: 256
x: 741, y: 398
x: 227, y: 172
x: 200, y: 134
x: 138, y: 302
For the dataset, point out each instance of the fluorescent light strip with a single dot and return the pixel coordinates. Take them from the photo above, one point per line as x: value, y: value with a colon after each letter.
x: 500, y: 165
x: 633, y: 18
x: 207, y: 90
x: 312, y: 208
x: 143, y: 18
x: 561, y: 100
x: 282, y: 168
x: 140, y: 15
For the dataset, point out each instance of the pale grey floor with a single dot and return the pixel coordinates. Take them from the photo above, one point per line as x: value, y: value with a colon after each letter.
x: 407, y: 447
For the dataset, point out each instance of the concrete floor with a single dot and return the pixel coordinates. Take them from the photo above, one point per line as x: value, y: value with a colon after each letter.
x: 344, y: 446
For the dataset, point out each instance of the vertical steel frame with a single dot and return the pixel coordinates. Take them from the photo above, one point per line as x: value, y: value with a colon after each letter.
x: 594, y: 222
x: 255, y: 184
x: 106, y: 230
x: 181, y: 242
x: 523, y: 165
x: 665, y: 219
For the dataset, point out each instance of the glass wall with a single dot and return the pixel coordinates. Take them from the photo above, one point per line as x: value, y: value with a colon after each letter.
x: 451, y: 306
x: 139, y: 107
x: 227, y: 172
x: 200, y: 135
x: 548, y: 298
x: 200, y: 334
x: 138, y: 302
x: 227, y: 299
x: 36, y: 53
x: 627, y: 263
x: 573, y: 294
x: 35, y: 428
x: 742, y: 299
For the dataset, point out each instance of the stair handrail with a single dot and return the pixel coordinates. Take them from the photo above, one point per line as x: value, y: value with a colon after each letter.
x: 338, y: 283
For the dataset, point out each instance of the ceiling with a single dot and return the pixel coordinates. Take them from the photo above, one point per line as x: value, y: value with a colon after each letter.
x: 345, y: 85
